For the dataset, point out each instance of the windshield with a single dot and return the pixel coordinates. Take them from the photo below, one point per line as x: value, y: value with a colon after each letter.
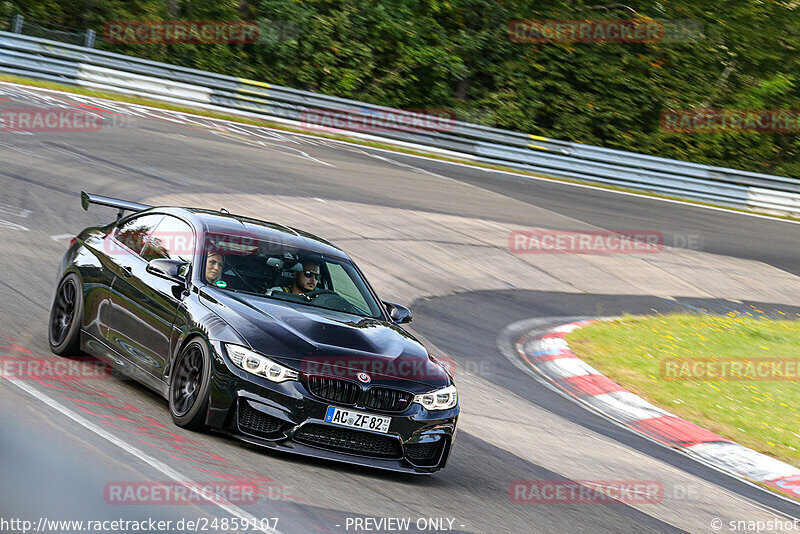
x: 280, y: 272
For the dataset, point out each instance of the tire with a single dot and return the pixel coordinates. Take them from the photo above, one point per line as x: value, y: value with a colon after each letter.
x: 189, y: 386
x: 66, y: 316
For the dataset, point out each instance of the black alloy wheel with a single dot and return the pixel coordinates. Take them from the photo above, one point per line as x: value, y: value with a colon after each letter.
x: 65, y: 316
x: 188, y: 390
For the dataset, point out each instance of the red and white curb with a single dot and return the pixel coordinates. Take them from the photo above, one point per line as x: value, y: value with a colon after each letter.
x: 549, y: 354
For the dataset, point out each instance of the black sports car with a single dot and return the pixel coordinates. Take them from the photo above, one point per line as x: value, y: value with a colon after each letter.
x: 254, y: 329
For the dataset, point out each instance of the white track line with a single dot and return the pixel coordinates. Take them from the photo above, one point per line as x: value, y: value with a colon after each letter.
x: 510, y: 173
x: 140, y: 454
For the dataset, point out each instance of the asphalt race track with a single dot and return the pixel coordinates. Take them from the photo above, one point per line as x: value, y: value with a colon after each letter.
x: 61, y: 444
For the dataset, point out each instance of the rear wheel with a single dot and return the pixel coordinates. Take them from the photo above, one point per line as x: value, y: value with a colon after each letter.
x: 188, y: 389
x: 64, y: 330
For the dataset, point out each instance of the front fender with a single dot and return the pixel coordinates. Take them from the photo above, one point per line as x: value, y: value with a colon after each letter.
x: 194, y: 319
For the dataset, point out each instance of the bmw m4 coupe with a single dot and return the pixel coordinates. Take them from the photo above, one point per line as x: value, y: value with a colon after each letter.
x: 257, y: 330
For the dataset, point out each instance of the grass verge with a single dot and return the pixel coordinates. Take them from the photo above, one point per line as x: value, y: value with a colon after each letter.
x: 731, y: 392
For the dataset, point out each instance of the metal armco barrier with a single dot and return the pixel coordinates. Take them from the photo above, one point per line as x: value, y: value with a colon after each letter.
x: 53, y: 61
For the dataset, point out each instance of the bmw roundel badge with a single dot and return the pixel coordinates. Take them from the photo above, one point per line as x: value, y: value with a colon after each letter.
x: 364, y: 377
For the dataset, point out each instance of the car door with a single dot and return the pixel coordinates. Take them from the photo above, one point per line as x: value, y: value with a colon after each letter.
x: 173, y: 239
x: 142, y: 305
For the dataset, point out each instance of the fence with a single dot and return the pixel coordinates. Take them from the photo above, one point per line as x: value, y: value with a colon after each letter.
x: 55, y: 61
x: 18, y: 24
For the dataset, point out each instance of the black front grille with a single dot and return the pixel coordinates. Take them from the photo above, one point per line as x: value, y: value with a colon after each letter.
x: 388, y: 400
x: 424, y: 453
x: 346, y: 440
x: 255, y: 422
x: 333, y: 389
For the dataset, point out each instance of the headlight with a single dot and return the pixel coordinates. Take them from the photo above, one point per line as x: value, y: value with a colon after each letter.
x: 259, y: 365
x: 441, y: 399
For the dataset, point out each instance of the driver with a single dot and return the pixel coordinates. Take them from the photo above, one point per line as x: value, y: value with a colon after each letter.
x: 304, y: 281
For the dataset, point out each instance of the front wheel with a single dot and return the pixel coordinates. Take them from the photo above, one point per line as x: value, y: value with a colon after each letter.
x: 188, y: 389
x: 64, y: 330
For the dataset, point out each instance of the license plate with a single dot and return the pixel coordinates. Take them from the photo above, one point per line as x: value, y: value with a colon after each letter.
x: 361, y: 420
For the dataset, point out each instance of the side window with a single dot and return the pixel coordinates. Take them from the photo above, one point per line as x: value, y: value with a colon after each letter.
x: 172, y: 239
x: 344, y: 285
x: 133, y: 234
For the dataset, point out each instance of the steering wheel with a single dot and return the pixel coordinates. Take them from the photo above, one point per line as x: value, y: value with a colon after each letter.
x: 317, y: 291
x: 334, y: 301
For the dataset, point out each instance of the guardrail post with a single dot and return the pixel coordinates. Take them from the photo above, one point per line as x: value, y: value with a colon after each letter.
x: 494, y: 146
x: 90, y: 36
x: 17, y: 24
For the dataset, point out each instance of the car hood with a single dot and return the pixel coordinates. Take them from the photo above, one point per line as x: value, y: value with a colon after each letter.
x: 318, y: 341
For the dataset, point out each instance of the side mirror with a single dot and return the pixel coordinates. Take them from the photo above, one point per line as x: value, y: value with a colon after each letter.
x: 166, y: 268
x: 399, y: 314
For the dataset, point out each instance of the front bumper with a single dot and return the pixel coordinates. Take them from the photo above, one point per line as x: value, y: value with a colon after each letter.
x: 288, y: 417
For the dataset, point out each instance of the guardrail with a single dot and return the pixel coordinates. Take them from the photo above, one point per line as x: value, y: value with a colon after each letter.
x: 49, y: 60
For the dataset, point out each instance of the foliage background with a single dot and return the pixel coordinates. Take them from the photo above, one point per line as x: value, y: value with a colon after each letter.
x: 457, y: 55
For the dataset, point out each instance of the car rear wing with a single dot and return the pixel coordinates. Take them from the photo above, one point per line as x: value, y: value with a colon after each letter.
x: 122, y: 205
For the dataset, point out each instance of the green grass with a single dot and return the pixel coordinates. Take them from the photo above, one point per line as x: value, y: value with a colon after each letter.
x: 279, y: 126
x: 763, y: 415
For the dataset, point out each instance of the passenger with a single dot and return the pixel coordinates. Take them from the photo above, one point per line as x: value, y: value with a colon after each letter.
x: 215, y: 263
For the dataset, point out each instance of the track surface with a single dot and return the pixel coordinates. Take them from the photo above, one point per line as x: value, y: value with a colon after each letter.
x: 51, y: 456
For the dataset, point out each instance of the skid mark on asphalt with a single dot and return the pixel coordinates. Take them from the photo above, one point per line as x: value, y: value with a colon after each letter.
x: 245, y: 134
x: 51, y: 187
x: 118, y: 167
x: 288, y: 151
x: 85, y: 159
x: 23, y: 151
x: 24, y: 296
